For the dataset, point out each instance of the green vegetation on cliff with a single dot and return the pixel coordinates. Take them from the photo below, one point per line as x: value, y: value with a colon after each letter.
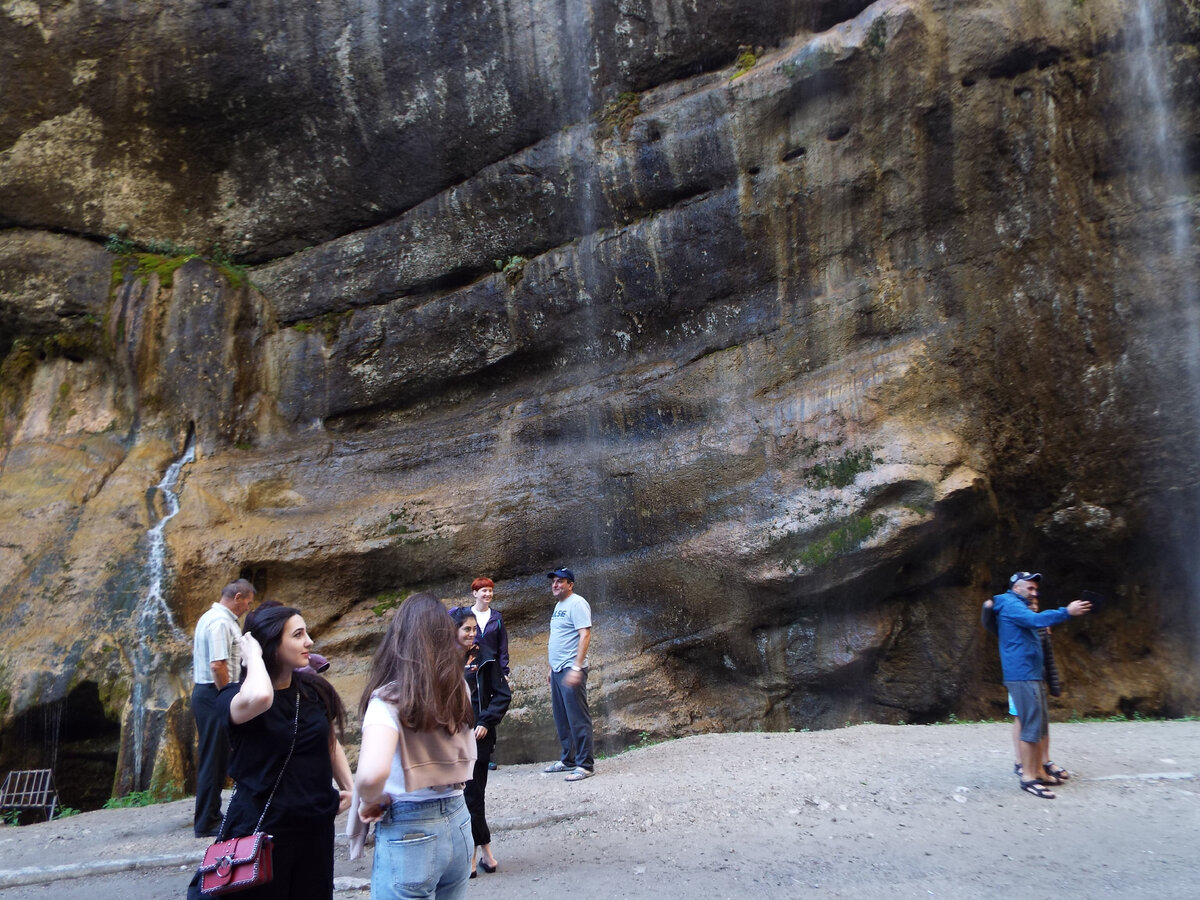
x: 618, y: 115
x: 844, y: 539
x: 163, y: 258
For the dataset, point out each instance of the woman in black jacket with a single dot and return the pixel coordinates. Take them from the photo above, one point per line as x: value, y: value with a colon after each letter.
x: 490, y: 697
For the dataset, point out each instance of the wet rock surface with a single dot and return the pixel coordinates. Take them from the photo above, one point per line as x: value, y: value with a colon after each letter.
x: 792, y: 328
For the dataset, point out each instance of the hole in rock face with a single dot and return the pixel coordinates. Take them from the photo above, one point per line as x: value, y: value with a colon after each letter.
x: 838, y: 132
x: 753, y: 170
x: 257, y: 576
x: 1023, y: 58
x: 794, y: 154
x: 651, y: 133
x: 74, y: 738
x: 1022, y: 92
x: 1131, y: 707
x: 834, y: 12
x: 968, y: 82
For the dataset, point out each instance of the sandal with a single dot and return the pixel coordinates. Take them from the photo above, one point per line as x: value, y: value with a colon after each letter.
x: 1045, y: 779
x: 1057, y: 772
x: 1037, y: 789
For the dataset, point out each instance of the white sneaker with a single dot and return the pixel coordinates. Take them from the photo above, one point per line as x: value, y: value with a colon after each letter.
x: 579, y: 774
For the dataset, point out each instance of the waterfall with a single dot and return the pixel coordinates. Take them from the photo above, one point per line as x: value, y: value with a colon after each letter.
x: 1163, y: 185
x: 1146, y: 70
x: 590, y: 557
x: 153, y: 616
x: 153, y: 610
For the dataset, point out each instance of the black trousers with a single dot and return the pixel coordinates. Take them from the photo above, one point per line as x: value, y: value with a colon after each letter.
x: 212, y: 758
x: 302, y: 859
x: 474, y: 789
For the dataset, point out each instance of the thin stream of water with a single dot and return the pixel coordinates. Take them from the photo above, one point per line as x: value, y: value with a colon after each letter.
x: 153, y: 615
x: 153, y: 610
x: 1165, y: 185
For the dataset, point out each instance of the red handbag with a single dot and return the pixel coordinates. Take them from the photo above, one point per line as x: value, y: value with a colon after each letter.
x: 236, y: 864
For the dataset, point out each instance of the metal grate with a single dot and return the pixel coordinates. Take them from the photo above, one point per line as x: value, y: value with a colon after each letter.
x: 29, y: 789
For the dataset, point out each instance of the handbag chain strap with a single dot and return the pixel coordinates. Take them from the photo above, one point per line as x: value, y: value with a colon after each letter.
x: 267, y: 805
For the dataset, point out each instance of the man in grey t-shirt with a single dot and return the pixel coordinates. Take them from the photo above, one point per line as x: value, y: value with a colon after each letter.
x: 570, y: 635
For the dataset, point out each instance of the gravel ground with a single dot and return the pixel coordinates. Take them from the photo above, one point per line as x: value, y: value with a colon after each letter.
x: 870, y: 811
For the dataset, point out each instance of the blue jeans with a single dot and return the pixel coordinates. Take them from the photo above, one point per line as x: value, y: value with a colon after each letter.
x: 572, y: 720
x: 423, y: 850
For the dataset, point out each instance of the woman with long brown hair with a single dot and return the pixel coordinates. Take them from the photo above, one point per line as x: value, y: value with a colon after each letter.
x: 418, y: 750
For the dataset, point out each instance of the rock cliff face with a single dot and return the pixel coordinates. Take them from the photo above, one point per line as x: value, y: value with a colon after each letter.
x: 792, y: 327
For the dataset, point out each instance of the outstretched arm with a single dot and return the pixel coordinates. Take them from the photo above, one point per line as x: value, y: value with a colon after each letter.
x: 1023, y: 616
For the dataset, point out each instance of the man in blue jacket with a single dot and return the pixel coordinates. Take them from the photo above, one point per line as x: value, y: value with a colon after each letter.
x: 1024, y: 665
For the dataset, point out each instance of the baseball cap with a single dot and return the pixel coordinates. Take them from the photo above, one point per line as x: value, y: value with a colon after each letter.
x: 1024, y: 576
x: 562, y: 573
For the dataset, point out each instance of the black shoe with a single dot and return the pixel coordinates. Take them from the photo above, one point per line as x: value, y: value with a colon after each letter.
x: 212, y: 832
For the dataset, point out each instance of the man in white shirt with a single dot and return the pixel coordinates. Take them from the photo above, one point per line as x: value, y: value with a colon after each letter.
x: 216, y: 662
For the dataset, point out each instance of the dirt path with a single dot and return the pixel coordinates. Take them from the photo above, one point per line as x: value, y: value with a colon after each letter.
x: 870, y: 811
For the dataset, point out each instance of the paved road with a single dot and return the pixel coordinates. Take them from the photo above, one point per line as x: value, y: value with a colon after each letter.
x: 865, y: 812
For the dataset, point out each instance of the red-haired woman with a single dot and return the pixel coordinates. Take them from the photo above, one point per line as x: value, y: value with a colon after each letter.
x: 492, y: 638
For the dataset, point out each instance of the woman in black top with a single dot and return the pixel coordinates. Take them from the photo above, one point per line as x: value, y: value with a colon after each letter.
x: 262, y: 711
x: 490, y: 697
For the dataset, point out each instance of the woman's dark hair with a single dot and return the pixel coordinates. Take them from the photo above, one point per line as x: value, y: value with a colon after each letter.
x: 418, y: 668
x: 266, y: 622
x: 458, y: 615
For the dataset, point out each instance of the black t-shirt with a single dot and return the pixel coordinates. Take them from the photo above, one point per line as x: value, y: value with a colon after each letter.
x: 259, y: 748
